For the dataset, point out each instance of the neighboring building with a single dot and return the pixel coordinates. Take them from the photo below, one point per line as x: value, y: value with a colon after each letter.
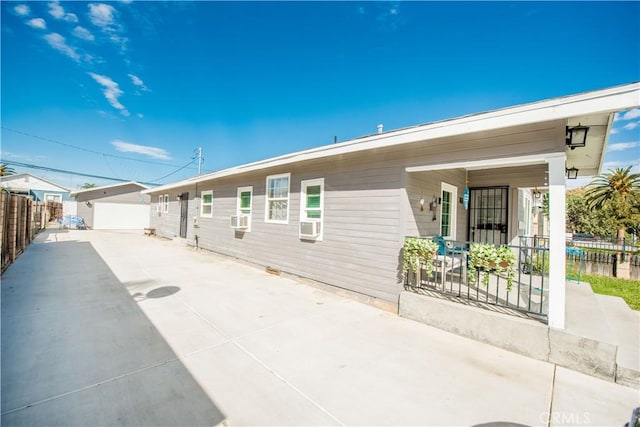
x: 39, y: 189
x: 114, y: 207
x: 338, y: 214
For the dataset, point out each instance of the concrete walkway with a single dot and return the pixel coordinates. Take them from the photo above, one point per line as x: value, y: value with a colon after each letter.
x: 112, y: 328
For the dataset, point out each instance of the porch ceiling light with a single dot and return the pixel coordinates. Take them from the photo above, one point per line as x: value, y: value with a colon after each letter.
x: 572, y: 172
x: 577, y: 136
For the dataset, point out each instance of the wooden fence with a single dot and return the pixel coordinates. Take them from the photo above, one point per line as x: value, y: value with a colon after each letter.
x: 21, y: 219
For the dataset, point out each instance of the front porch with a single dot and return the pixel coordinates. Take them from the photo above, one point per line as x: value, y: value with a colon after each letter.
x: 494, y: 202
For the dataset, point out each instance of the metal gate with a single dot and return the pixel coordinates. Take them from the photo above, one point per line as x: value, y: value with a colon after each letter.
x: 184, y: 214
x: 488, y: 215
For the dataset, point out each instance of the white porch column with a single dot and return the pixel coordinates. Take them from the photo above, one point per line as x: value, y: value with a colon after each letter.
x: 557, y: 274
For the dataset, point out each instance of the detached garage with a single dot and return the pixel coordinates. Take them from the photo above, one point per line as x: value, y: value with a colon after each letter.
x: 114, y: 207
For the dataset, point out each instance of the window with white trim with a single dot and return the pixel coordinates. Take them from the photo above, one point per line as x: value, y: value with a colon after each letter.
x: 159, y: 205
x: 243, y: 204
x: 166, y: 203
x: 448, y: 211
x: 277, y: 199
x: 312, y: 203
x: 206, y: 204
x: 56, y: 198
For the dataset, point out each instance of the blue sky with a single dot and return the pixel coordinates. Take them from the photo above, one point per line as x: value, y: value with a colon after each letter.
x: 130, y: 89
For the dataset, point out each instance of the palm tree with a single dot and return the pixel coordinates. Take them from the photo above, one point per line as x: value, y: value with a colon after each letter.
x: 88, y: 185
x: 6, y: 170
x: 617, y: 191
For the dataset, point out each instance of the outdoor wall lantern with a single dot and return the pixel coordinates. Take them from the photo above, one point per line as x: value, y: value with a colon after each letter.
x: 179, y: 197
x: 577, y: 136
x: 572, y: 172
x: 536, y: 194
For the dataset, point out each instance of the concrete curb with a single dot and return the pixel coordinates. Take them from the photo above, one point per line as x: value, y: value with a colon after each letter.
x: 523, y: 336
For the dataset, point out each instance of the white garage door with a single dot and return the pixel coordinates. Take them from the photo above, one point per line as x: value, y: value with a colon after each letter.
x: 119, y: 216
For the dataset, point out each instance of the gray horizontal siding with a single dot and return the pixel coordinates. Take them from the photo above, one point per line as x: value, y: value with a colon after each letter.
x: 516, y: 177
x: 360, y: 246
x: 370, y: 204
x: 427, y: 185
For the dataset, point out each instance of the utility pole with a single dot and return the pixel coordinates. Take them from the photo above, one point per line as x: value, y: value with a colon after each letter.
x: 200, y: 159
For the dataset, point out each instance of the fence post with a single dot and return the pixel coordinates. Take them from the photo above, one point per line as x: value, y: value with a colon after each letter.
x: 3, y: 213
x: 23, y: 223
x: 615, y: 264
x: 13, y: 226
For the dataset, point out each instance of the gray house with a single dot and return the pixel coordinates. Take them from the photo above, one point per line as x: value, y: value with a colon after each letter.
x: 339, y: 214
x: 119, y: 206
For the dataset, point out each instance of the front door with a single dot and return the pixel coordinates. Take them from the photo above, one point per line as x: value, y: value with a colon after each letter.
x: 488, y: 215
x: 184, y: 214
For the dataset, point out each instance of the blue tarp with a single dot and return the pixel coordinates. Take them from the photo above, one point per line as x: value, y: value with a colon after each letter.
x: 73, y: 221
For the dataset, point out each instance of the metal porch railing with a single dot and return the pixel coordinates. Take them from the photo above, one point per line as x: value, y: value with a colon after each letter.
x: 451, y: 279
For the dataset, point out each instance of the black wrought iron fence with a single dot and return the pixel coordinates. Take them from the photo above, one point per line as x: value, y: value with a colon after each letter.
x: 519, y: 285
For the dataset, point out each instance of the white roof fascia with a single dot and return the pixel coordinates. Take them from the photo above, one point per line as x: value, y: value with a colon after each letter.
x: 120, y: 184
x: 601, y: 101
x: 490, y: 163
x: 606, y: 141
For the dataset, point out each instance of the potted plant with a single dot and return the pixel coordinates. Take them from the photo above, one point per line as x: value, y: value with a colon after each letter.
x: 417, y: 250
x: 490, y: 258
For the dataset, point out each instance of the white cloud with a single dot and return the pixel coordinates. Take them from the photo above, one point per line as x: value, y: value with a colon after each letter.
x: 154, y: 152
x: 102, y: 15
x: 140, y: 115
x: 138, y: 82
x: 56, y: 10
x: 111, y: 92
x: 622, y: 146
x: 613, y: 131
x: 37, y: 23
x: 630, y: 126
x: 59, y: 43
x: 83, y: 33
x: 631, y: 114
x: 22, y: 9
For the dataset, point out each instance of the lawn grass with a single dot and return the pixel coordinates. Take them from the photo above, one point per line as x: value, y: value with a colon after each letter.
x: 628, y: 290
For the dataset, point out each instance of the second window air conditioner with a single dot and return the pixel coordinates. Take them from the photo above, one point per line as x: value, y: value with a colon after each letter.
x: 309, y: 229
x: 240, y: 221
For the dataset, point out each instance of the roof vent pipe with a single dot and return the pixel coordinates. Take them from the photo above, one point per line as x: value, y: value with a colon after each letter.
x: 380, y: 128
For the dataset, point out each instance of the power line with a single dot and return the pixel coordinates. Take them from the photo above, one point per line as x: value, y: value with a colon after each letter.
x: 85, y: 149
x: 175, y: 171
x: 46, y: 168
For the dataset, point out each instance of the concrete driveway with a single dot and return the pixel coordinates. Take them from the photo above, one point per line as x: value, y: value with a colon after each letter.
x: 108, y: 328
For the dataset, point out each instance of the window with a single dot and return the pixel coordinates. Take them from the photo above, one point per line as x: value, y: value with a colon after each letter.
x: 206, y: 204
x: 166, y: 203
x: 448, y: 211
x: 243, y: 206
x: 312, y: 203
x: 244, y: 200
x: 277, y: 199
x: 159, y: 206
x: 56, y: 198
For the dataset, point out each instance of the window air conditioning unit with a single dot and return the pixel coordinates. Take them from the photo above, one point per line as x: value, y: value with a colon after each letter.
x: 239, y: 221
x: 309, y: 229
